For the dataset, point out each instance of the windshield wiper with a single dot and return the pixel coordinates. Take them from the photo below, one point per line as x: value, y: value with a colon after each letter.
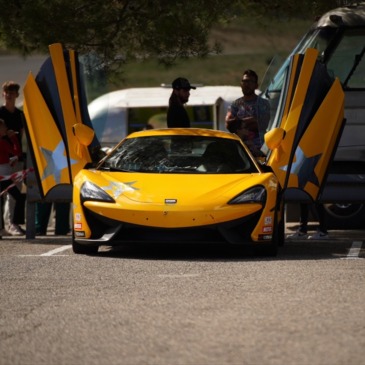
x: 357, y: 61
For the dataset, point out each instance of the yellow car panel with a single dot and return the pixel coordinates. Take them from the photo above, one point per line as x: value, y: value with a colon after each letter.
x: 70, y: 113
x: 51, y: 116
x: 174, y: 201
x: 172, y: 185
x: 147, y: 201
x: 312, y: 124
x: 49, y: 149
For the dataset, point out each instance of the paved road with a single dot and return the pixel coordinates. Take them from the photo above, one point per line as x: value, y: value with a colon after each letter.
x: 183, y: 305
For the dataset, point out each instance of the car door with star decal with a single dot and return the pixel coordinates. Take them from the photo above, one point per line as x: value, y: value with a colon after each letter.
x: 54, y: 105
x: 307, y: 126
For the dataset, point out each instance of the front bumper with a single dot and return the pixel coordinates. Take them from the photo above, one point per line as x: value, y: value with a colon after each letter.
x: 110, y: 232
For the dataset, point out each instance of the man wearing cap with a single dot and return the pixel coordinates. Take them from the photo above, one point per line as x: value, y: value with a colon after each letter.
x: 177, y: 116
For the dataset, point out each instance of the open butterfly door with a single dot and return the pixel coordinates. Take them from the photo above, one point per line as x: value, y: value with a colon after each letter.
x: 54, y: 102
x: 309, y: 124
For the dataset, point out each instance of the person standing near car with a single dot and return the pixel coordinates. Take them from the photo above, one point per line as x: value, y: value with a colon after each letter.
x: 302, y: 232
x: 14, y: 120
x: 10, y: 151
x: 249, y: 115
x: 177, y: 116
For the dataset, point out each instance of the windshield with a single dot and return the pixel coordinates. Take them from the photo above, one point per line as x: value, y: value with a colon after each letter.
x: 347, y: 60
x: 341, y: 49
x: 180, y: 154
x: 318, y: 39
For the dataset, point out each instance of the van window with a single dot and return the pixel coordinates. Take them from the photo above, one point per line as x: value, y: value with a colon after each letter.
x: 319, y: 39
x: 347, y: 60
x: 343, y: 54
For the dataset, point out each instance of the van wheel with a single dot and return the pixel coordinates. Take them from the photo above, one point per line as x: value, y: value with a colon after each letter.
x: 345, y: 216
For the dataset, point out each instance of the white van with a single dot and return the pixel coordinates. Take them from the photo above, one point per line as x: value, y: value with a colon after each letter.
x: 116, y: 114
x: 339, y: 35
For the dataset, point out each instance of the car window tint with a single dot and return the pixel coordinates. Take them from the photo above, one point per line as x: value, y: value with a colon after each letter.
x: 180, y: 154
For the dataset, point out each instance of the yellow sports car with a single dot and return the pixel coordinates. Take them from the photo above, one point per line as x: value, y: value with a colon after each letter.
x: 180, y: 185
x: 177, y: 185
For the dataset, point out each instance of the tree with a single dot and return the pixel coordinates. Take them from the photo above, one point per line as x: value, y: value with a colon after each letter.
x: 117, y: 31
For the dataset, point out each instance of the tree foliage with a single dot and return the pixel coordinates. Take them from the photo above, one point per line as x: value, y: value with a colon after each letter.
x: 118, y: 31
x: 113, y: 29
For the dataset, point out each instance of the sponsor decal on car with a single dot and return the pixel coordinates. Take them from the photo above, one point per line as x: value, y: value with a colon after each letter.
x: 266, y: 229
x: 268, y: 221
x: 265, y: 237
x: 80, y: 234
x: 78, y: 225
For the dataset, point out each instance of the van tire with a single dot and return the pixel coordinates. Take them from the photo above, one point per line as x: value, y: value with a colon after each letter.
x: 345, y: 216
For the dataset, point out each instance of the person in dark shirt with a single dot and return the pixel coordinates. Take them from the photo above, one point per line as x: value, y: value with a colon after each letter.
x: 177, y: 116
x: 14, y: 120
x: 13, y: 116
x: 10, y: 151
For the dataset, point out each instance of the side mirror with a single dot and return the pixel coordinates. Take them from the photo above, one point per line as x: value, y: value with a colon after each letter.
x: 274, y: 138
x: 83, y: 133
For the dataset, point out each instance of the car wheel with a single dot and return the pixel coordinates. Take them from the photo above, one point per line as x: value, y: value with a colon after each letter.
x: 83, y: 249
x: 345, y: 216
x: 280, y: 232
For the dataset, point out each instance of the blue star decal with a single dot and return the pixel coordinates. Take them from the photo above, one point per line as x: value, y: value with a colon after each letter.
x: 56, y: 161
x: 304, y: 167
x: 116, y: 189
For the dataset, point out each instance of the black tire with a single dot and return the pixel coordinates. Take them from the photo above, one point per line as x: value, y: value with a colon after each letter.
x: 267, y: 250
x: 280, y: 231
x: 345, y: 216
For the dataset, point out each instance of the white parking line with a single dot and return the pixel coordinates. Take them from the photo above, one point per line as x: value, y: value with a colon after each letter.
x: 56, y: 250
x: 354, y: 250
x: 178, y: 275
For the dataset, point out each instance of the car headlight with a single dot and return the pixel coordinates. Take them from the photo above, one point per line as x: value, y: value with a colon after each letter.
x: 90, y: 191
x: 257, y: 194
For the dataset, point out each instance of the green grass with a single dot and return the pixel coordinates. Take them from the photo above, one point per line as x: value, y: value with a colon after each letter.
x: 214, y: 70
x: 245, y: 45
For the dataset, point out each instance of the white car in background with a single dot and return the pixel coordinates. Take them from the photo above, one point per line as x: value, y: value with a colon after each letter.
x: 119, y: 113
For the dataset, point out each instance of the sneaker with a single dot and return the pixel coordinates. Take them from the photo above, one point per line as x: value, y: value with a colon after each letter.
x: 298, y: 235
x: 319, y: 236
x: 4, y: 232
x: 16, y: 230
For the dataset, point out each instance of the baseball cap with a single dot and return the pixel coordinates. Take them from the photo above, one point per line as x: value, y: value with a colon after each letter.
x: 182, y: 83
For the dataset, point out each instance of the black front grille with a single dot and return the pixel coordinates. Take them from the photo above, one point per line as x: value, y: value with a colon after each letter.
x: 236, y: 232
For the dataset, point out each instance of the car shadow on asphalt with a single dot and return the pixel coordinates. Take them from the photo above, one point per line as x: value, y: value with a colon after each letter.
x: 291, y: 250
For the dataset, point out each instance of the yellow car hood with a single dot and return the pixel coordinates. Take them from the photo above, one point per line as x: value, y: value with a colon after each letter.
x: 172, y: 200
x: 175, y: 189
